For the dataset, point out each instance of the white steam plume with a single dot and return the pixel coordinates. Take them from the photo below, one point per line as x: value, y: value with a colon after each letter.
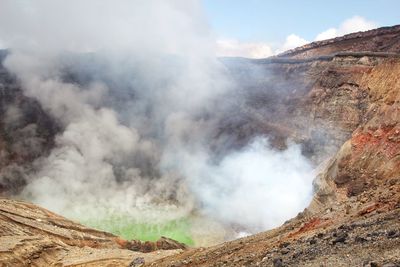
x: 136, y: 141
x: 257, y: 186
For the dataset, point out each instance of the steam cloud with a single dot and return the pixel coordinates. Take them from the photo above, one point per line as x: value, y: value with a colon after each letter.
x: 138, y: 113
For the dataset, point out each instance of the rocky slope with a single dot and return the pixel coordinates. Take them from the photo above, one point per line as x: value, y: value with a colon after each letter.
x: 340, y: 99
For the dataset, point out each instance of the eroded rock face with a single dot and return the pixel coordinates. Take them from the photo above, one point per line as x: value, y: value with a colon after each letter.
x: 371, y: 156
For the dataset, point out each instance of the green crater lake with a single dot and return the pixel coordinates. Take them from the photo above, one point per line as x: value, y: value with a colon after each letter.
x: 129, y: 229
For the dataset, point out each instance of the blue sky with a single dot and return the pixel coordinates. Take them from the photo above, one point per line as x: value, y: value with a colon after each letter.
x: 245, y: 28
x: 271, y: 21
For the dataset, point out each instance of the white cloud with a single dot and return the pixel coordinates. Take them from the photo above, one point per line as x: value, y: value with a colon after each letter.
x: 235, y: 48
x: 292, y: 41
x: 328, y: 34
x: 353, y: 24
x: 356, y: 24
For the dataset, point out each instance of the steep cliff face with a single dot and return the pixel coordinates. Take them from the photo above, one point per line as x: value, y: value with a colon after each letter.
x: 370, y: 158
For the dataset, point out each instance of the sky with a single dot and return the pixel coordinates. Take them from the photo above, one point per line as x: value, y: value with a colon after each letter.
x: 262, y: 28
x: 259, y: 28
